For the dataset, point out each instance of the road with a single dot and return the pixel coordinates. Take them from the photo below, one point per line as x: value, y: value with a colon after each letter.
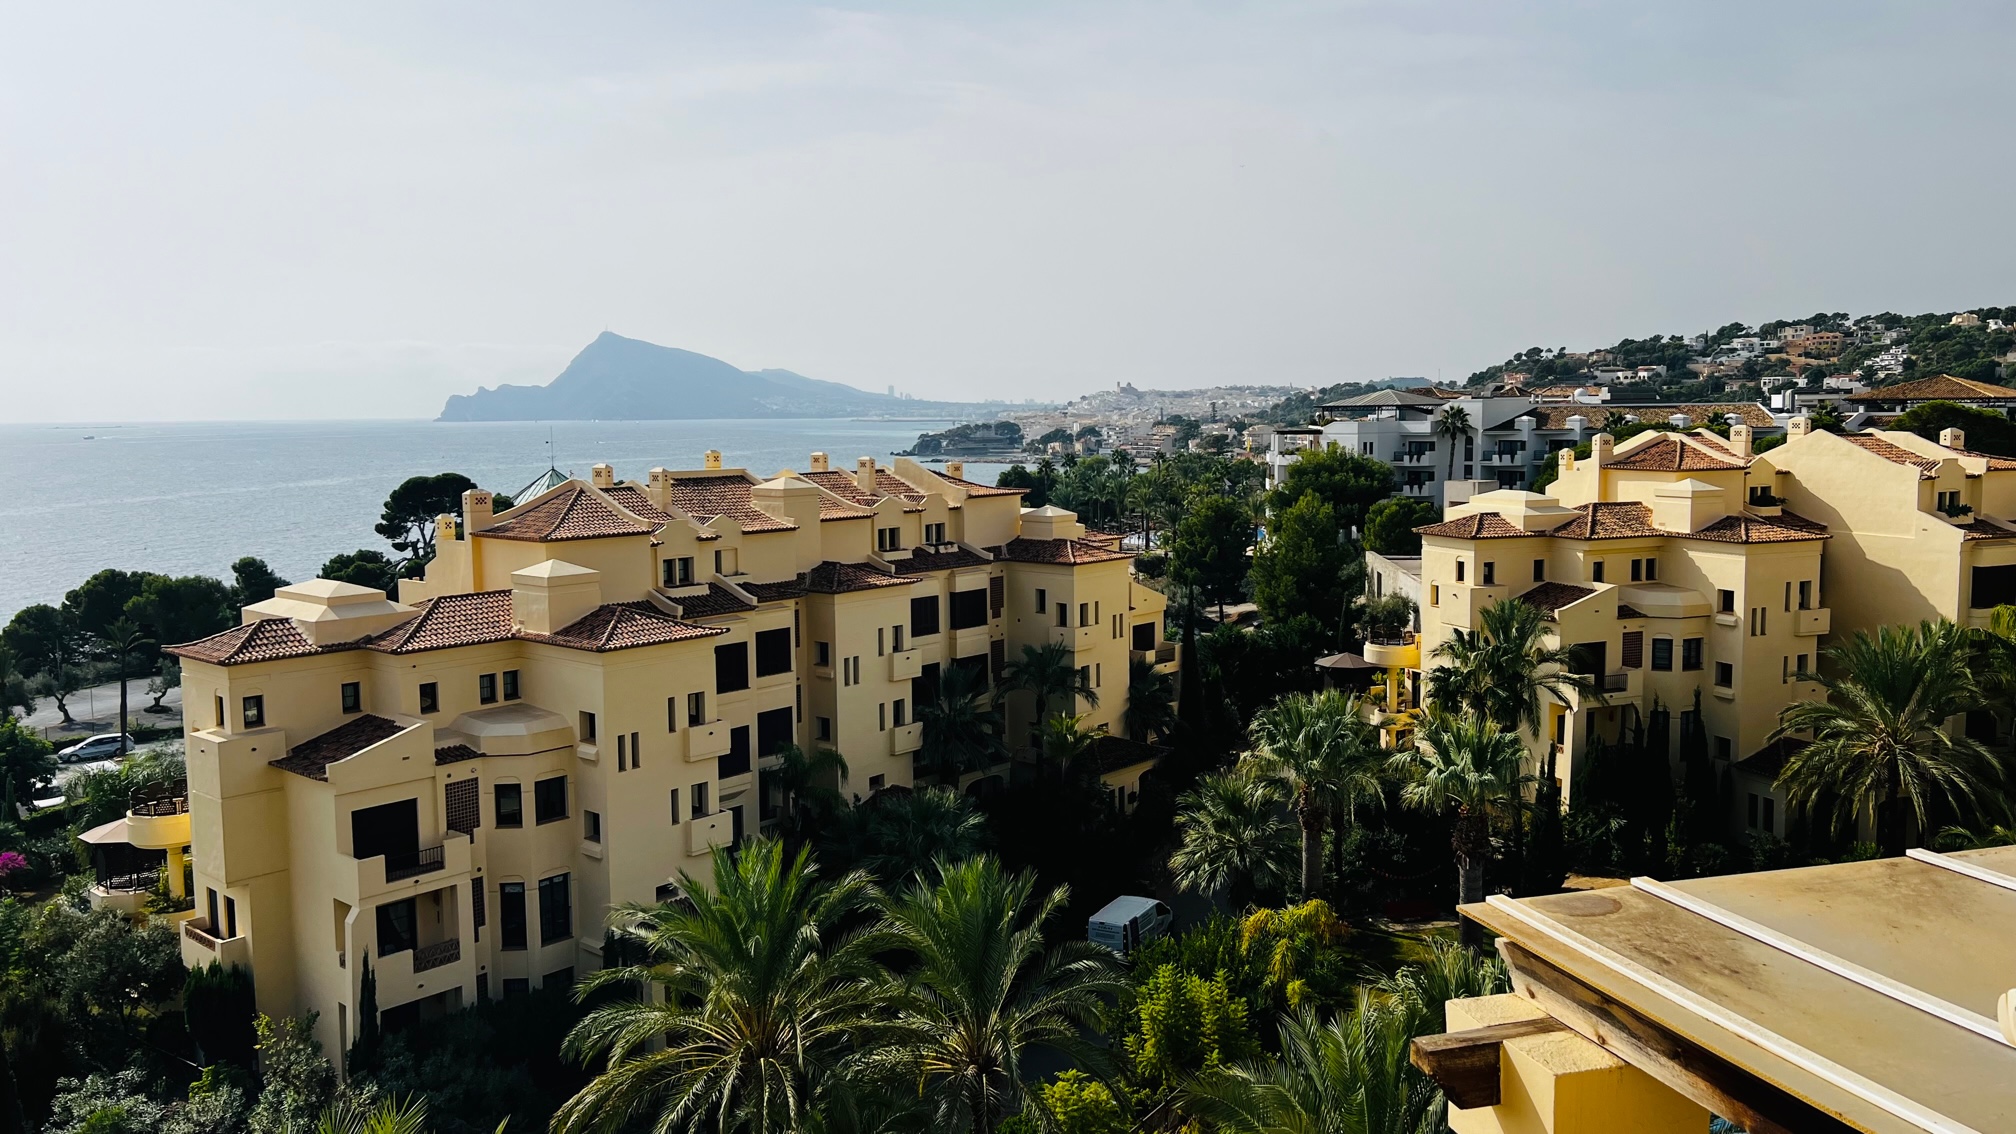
x: 96, y: 710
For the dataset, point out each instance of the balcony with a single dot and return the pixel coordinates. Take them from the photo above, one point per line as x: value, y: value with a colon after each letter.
x: 905, y: 664
x: 708, y: 832
x: 158, y: 823
x: 1812, y: 622
x: 200, y: 946
x: 905, y: 739
x: 402, y: 865
x: 434, y: 956
x: 1397, y: 652
x: 706, y: 741
x: 1163, y: 657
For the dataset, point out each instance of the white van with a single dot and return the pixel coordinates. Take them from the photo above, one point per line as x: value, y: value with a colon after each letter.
x: 1127, y: 923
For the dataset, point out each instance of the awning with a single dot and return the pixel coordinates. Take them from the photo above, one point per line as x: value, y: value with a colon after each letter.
x: 1346, y: 660
x: 113, y: 832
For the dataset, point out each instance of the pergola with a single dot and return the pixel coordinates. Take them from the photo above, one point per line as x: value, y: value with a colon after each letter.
x: 1866, y: 996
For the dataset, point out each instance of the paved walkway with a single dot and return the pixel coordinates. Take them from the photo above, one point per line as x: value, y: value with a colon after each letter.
x: 97, y: 710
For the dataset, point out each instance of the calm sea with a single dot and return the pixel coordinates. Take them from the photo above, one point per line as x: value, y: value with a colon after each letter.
x: 189, y: 498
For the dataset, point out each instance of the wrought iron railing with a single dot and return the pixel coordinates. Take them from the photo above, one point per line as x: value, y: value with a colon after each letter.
x: 434, y: 956
x: 199, y: 934
x: 411, y: 864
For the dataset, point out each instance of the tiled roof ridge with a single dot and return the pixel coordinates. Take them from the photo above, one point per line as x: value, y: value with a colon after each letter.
x: 1062, y: 550
x: 469, y: 606
x: 312, y: 757
x: 1551, y: 596
x: 1880, y: 446
x: 571, y: 511
x: 264, y: 639
x: 1671, y: 451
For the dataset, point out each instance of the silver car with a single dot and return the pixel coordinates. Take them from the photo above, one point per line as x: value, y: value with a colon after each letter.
x: 105, y: 744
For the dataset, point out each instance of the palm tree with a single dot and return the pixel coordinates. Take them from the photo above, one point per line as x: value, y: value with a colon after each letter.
x: 1064, y: 743
x: 899, y: 835
x: 1469, y: 766
x: 1881, y: 733
x: 962, y: 731
x: 806, y: 791
x: 386, y: 1116
x: 1235, y: 838
x: 1452, y: 424
x: 1046, y: 671
x: 1148, y: 696
x: 761, y: 994
x: 1501, y: 670
x: 1319, y: 747
x: 121, y: 639
x: 983, y: 990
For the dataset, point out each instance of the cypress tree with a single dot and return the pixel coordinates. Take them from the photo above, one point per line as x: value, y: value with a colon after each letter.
x: 366, y: 1044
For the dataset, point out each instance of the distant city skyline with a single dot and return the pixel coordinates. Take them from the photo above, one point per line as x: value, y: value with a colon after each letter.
x: 246, y: 212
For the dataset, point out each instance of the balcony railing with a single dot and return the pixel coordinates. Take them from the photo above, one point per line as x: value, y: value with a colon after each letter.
x: 138, y: 882
x: 159, y: 808
x: 1616, y: 682
x: 199, y: 934
x: 434, y: 956
x: 412, y: 864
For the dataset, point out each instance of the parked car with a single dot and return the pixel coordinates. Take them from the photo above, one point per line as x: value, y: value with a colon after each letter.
x: 98, y: 747
x: 1127, y: 923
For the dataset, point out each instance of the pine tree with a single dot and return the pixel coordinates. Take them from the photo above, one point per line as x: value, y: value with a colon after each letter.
x: 366, y: 1045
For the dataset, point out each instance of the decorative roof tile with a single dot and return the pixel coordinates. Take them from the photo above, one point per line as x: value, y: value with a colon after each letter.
x: 1673, y: 452
x: 269, y: 639
x: 312, y: 757
x: 922, y: 560
x: 1549, y: 598
x: 717, y: 601
x: 450, y: 620
x: 572, y: 513
x: 1942, y: 387
x: 830, y: 578
x: 1068, y: 551
x: 705, y: 497
x: 622, y: 626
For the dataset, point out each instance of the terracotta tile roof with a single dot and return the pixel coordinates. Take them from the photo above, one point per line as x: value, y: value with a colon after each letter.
x: 975, y: 488
x: 1072, y: 551
x: 1670, y: 453
x: 637, y: 502
x: 705, y: 497
x: 1112, y: 753
x: 1995, y: 463
x: 1479, y: 525
x: 889, y: 484
x: 1610, y: 519
x: 717, y: 601
x: 622, y: 626
x: 843, y: 485
x: 1782, y: 528
x: 1103, y: 539
x: 777, y: 592
x: 454, y: 754
x: 921, y: 561
x: 312, y: 757
x: 1893, y: 452
x: 1712, y: 441
x: 1549, y: 598
x: 830, y: 578
x: 1556, y: 416
x: 1983, y: 529
x: 268, y: 639
x: 1626, y: 610
x: 831, y: 509
x: 450, y: 620
x: 1943, y: 387
x: 572, y: 513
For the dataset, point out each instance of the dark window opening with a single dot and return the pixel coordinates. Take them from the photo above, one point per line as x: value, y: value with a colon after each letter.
x: 923, y: 616
x: 395, y: 927
x: 510, y: 685
x: 430, y: 697
x: 969, y: 609
x: 353, y: 697
x: 736, y: 762
x: 510, y: 806
x: 774, y: 729
x: 389, y: 828
x: 549, y: 799
x: 511, y: 918
x: 773, y: 652
x: 556, y: 910
x: 486, y: 688
x: 731, y: 667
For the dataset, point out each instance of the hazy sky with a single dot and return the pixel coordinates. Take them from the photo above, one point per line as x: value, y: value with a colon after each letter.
x: 210, y: 211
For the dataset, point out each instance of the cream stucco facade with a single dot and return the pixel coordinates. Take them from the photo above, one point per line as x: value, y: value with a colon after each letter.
x: 574, y: 707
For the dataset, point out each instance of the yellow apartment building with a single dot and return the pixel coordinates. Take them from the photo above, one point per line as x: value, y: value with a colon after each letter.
x: 577, y: 703
x: 1666, y: 570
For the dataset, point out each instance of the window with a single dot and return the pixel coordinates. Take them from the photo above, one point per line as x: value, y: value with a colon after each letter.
x: 1490, y: 575
x: 1637, y: 570
x: 1434, y: 595
x: 219, y: 707
x: 1662, y: 653
x: 395, y: 927
x: 1805, y: 594
x: 510, y: 805
x: 1800, y: 669
x: 1117, y: 620
x: 875, y: 783
x: 430, y: 697
x: 881, y: 717
x: 1725, y: 674
x: 255, y: 708
x: 1949, y: 501
x: 1993, y: 586
x: 353, y: 697
x: 969, y: 609
x: 1690, y: 653
x: 636, y: 751
x: 511, y: 917
x: 591, y: 826
x: 822, y: 654
x: 1757, y: 620
x: 678, y: 572
x: 896, y: 639
x: 672, y: 713
x: 720, y: 558
x: 1596, y: 570
x: 556, y: 910
x: 924, y: 616
x: 517, y: 985
x: 674, y: 793
x: 1724, y: 748
x: 510, y: 685
x: 896, y: 713
x: 1459, y: 570
x: 486, y: 688
x: 822, y: 728
x: 934, y: 533
x: 731, y: 667
x: 1042, y: 600
x: 1063, y: 615
x: 476, y: 910
x: 699, y: 794
x: 1098, y: 675
x: 549, y: 799
x: 1084, y: 679
x: 1539, y: 570
x: 1651, y: 570
x: 736, y: 762
x: 773, y: 652
x: 888, y: 539
x: 587, y: 727
x: 1725, y: 601
x: 696, y: 709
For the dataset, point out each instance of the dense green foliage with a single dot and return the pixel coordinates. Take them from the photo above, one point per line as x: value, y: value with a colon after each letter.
x: 1987, y: 431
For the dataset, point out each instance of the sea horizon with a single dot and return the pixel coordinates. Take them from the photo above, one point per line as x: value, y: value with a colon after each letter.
x: 190, y: 497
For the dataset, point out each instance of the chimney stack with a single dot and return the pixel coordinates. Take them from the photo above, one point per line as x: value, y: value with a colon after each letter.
x: 1599, y: 449
x: 864, y: 473
x: 956, y: 469
x: 820, y: 463
x: 659, y: 489
x: 713, y: 458
x: 1739, y: 440
x: 476, y: 510
x: 602, y: 476
x: 1798, y: 427
x: 1953, y: 438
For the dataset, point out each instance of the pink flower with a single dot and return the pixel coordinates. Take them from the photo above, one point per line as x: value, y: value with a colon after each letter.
x: 12, y: 861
